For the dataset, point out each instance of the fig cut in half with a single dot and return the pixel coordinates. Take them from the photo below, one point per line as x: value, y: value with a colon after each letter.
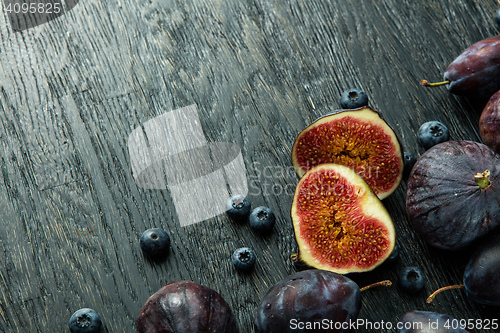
x: 340, y: 224
x: 359, y: 139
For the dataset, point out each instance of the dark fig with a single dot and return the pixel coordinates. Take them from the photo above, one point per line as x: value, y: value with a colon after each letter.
x: 359, y: 139
x: 476, y: 71
x: 308, y: 300
x: 489, y: 123
x: 188, y: 307
x: 453, y: 194
x: 426, y: 322
x: 340, y: 224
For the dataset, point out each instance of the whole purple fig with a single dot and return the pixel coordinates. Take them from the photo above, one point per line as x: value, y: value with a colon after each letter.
x: 475, y: 72
x: 452, y: 194
x: 187, y: 307
x: 489, y: 123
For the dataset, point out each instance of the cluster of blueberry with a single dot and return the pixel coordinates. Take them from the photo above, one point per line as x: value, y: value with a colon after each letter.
x: 261, y: 219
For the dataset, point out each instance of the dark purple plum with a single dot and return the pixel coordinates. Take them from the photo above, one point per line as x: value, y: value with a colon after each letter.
x: 453, y: 194
x: 482, y: 274
x: 476, y: 71
x: 489, y: 123
x: 188, y: 307
x: 427, y: 322
x: 307, y: 298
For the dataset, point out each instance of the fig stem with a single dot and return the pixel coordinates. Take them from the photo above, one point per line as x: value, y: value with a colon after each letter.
x: 385, y: 283
x: 483, y: 179
x: 430, y: 299
x: 296, y: 260
x: 426, y: 83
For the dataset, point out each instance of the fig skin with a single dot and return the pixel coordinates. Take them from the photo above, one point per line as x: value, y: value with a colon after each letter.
x: 340, y: 224
x: 482, y: 274
x: 187, y: 307
x: 360, y: 139
x: 476, y: 71
x: 308, y: 296
x: 445, y: 202
x: 489, y: 123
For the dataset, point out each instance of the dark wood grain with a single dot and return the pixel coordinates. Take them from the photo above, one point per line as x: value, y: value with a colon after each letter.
x: 73, y: 89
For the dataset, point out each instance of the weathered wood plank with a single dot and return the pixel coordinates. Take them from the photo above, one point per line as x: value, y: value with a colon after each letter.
x: 72, y: 91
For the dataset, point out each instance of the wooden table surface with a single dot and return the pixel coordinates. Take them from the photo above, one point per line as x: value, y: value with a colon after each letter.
x: 73, y: 90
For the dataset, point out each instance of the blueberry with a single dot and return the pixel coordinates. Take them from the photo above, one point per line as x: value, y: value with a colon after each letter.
x: 155, y: 242
x: 262, y: 219
x: 244, y: 259
x: 409, y: 160
x: 85, y: 321
x: 394, y: 256
x: 433, y: 132
x: 411, y: 279
x: 353, y: 98
x: 497, y: 16
x: 238, y: 206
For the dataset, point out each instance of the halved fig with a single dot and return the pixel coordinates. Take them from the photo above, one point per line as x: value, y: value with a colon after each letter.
x: 359, y: 139
x: 340, y: 224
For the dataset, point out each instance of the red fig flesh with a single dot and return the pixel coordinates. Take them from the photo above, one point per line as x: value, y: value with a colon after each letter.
x: 340, y: 224
x: 359, y: 139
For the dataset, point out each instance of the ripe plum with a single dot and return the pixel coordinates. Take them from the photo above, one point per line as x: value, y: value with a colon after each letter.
x: 476, y: 71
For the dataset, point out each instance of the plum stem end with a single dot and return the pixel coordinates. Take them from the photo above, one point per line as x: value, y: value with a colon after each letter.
x: 385, y: 283
x: 430, y: 299
x: 426, y: 83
